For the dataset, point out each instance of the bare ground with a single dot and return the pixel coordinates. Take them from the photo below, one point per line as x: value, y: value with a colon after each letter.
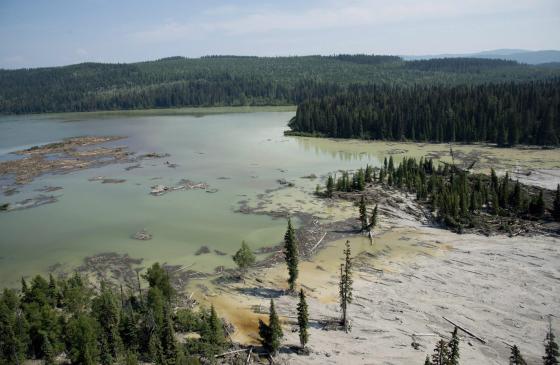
x: 499, y: 288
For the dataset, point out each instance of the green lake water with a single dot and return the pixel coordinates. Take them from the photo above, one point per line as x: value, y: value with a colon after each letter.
x: 249, y: 149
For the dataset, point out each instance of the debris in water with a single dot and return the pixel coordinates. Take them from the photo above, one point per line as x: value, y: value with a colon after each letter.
x: 142, y: 235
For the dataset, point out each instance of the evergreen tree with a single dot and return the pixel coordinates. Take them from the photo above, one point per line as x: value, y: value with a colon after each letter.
x: 167, y: 338
x: 373, y: 220
x: 13, y: 341
x: 453, y: 349
x: 556, y: 204
x: 81, y: 338
x: 550, y: 349
x: 213, y: 335
x: 271, y: 334
x: 427, y: 361
x: 106, y: 311
x: 244, y: 258
x: 516, y: 358
x: 128, y: 330
x: 291, y: 255
x: 303, y: 319
x: 537, y: 208
x: 441, y: 353
x: 157, y: 277
x: 363, y: 214
x: 330, y: 186
x: 345, y: 285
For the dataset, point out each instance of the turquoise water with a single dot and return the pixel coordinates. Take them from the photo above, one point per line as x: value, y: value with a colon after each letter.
x: 89, y: 218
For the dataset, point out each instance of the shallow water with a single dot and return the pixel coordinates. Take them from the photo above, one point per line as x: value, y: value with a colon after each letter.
x: 248, y: 149
x: 90, y: 217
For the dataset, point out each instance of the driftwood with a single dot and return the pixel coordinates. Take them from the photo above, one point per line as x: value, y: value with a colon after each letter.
x: 317, y: 244
x: 424, y: 334
x: 249, y: 356
x: 465, y: 330
x: 231, y: 352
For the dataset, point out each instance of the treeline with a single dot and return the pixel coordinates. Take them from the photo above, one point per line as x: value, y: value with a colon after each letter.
x: 49, y: 318
x: 504, y: 113
x: 233, y: 80
x: 459, y: 200
x: 459, y: 64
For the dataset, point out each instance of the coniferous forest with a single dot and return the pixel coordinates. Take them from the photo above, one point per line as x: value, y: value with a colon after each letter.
x: 235, y: 80
x: 503, y: 113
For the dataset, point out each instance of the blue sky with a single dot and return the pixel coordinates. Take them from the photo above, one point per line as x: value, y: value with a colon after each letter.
x: 59, y: 32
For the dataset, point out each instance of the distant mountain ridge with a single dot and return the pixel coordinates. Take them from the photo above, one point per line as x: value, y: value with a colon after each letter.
x: 518, y: 55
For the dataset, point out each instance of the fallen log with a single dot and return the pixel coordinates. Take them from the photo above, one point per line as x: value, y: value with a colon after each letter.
x: 249, y: 356
x: 231, y: 352
x: 465, y: 330
x: 317, y: 244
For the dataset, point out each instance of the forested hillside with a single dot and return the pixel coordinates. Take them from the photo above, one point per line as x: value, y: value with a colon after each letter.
x: 502, y: 113
x: 232, y: 80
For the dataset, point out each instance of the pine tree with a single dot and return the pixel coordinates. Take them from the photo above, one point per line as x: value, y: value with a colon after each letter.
x: 82, y: 335
x: 441, y: 353
x: 214, y: 335
x: 369, y: 174
x: 345, y: 285
x: 106, y: 311
x: 427, y: 361
x: 363, y: 214
x: 156, y: 276
x: 373, y: 220
x: 291, y: 255
x: 550, y: 348
x: 244, y: 258
x: 303, y: 319
x: 537, y: 208
x: 516, y: 358
x: 556, y: 205
x: 271, y: 334
x: 330, y: 186
x: 453, y: 349
x: 167, y: 338
x: 128, y: 330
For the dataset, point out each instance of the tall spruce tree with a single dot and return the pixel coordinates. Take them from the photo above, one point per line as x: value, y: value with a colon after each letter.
x: 213, y: 335
x: 345, y: 285
x: 515, y: 357
x: 271, y: 334
x: 363, y: 213
x: 441, y: 353
x: 291, y: 253
x: 303, y: 319
x: 537, y: 207
x: 454, y: 349
x: 330, y: 186
x: 373, y: 219
x: 106, y: 311
x: 550, y: 348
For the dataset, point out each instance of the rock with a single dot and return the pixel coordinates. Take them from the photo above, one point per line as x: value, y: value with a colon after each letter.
x: 310, y: 176
x: 4, y: 206
x: 142, y: 235
x: 159, y: 189
x: 202, y: 251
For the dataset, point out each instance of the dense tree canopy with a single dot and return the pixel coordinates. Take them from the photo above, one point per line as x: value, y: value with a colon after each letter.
x: 505, y: 113
x: 230, y: 80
